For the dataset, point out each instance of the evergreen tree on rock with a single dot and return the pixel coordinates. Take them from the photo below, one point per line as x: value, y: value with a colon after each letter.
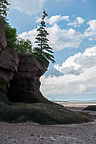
x: 3, y: 10
x: 42, y: 50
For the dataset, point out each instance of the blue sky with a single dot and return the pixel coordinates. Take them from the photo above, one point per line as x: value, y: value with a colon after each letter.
x: 72, y: 34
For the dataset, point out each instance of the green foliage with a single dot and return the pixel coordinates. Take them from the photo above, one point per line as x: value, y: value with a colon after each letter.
x: 20, y: 45
x: 43, y: 51
x: 23, y: 46
x: 11, y: 36
x: 10, y: 32
x: 3, y: 10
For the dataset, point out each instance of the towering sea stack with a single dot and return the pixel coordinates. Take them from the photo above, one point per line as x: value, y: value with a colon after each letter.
x: 25, y: 84
x: 8, y: 65
x: 22, y: 85
x: 19, y: 82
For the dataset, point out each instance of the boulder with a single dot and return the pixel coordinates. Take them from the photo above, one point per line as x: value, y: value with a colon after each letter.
x: 3, y: 41
x: 8, y: 65
x: 25, y: 86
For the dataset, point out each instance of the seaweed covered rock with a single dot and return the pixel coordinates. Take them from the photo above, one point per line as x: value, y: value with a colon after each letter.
x: 26, y: 84
x: 41, y: 113
x: 90, y: 108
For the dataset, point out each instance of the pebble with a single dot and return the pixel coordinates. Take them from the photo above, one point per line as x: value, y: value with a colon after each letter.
x: 30, y: 133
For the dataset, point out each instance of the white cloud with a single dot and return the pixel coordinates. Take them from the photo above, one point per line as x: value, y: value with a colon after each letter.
x: 69, y: 65
x: 92, y: 24
x: 69, y: 83
x: 58, y: 38
x: 38, y: 20
x: 29, y: 7
x: 54, y: 19
x: 80, y: 20
x: 79, y: 62
x: 77, y: 22
x: 90, y: 32
x: 63, y: 38
x: 29, y: 35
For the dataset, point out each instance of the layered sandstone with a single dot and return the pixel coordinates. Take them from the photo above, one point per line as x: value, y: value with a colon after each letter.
x: 25, y: 86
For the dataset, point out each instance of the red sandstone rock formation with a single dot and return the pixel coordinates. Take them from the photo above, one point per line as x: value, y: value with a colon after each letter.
x: 3, y: 42
x: 8, y: 64
x: 25, y: 84
x: 22, y: 85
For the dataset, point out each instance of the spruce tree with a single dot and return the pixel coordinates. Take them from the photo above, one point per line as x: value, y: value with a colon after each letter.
x: 42, y: 50
x: 3, y: 10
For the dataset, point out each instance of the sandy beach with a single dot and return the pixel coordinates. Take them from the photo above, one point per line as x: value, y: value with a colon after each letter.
x: 33, y: 133
x: 76, y: 104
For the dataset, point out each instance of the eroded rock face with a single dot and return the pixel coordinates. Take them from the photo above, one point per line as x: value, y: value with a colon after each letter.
x: 24, y: 87
x: 3, y: 41
x: 8, y: 65
x: 25, y: 84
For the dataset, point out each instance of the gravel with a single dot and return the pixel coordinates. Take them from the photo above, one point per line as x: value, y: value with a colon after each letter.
x: 32, y: 133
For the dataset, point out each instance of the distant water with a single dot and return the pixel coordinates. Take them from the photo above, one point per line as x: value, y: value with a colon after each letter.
x: 77, y: 101
x: 82, y: 101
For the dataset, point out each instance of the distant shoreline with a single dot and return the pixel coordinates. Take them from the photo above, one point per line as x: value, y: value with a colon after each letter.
x: 76, y: 104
